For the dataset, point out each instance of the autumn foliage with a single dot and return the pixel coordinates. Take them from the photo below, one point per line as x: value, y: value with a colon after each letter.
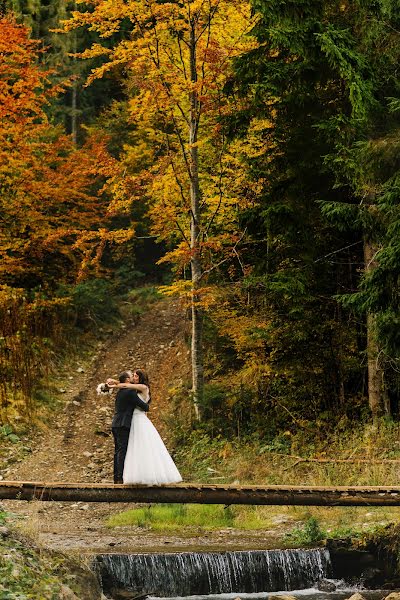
x: 51, y: 204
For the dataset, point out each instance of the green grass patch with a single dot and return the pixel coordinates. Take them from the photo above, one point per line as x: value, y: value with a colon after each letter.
x: 294, y: 526
x: 200, y: 517
x: 203, y: 517
x: 167, y: 517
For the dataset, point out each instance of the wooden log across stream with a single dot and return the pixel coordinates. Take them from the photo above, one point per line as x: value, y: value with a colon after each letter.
x: 191, y: 493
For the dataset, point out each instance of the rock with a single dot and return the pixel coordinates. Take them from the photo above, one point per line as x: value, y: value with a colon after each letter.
x: 393, y: 596
x: 62, y: 390
x: 87, y: 454
x: 67, y: 594
x: 356, y: 596
x: 281, y: 597
x: 372, y: 577
x: 4, y: 531
x: 80, y: 370
x: 327, y: 586
x: 120, y: 594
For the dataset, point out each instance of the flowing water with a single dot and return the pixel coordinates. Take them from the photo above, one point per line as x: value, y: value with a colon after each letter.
x: 205, y: 573
x: 252, y: 575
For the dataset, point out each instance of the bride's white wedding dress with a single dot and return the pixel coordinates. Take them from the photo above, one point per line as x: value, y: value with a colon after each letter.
x: 147, y: 459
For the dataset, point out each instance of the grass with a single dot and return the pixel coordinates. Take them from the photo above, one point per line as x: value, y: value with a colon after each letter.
x: 292, y: 525
x: 170, y: 517
x: 137, y: 302
x: 209, y: 459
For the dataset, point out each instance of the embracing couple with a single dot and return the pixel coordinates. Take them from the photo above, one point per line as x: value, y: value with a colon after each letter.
x: 140, y: 455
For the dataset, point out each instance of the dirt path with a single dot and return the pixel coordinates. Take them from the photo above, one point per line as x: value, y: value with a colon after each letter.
x: 79, y: 447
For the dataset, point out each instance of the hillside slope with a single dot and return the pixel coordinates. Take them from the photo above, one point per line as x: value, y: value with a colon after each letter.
x: 78, y: 446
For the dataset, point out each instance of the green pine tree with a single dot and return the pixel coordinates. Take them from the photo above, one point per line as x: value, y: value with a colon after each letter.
x: 320, y: 77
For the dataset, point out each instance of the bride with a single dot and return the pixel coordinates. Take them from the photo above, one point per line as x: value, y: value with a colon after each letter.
x: 147, y: 459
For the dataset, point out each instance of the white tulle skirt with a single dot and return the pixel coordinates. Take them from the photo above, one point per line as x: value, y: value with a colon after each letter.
x: 147, y: 459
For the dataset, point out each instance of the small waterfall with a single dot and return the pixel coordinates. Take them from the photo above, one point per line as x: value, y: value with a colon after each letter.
x: 195, y: 573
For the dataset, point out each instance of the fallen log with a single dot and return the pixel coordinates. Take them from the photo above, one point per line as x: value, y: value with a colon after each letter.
x: 201, y: 494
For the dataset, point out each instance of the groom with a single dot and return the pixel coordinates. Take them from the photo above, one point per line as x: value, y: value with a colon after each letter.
x: 126, y: 401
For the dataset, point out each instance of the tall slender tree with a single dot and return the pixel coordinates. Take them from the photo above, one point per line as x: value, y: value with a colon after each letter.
x: 177, y: 61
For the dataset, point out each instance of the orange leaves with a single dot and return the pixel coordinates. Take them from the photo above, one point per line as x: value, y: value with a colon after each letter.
x: 50, y: 189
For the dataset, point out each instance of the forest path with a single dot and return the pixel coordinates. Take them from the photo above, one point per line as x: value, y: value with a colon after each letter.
x: 78, y: 447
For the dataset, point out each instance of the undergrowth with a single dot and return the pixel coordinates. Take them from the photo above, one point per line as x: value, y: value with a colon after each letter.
x: 370, y: 455
x: 27, y: 571
x: 206, y: 459
x: 288, y: 526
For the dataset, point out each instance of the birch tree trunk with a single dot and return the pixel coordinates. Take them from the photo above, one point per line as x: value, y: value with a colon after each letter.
x: 195, y: 197
x: 74, y: 104
x: 377, y: 396
x: 74, y: 99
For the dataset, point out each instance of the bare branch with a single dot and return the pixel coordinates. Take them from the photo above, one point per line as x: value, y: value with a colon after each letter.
x: 226, y: 259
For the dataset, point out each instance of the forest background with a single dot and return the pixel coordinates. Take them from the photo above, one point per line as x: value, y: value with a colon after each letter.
x: 243, y: 155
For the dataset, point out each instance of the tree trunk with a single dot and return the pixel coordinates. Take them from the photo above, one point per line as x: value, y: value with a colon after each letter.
x: 195, y: 197
x: 74, y: 99
x: 377, y: 396
x: 74, y: 127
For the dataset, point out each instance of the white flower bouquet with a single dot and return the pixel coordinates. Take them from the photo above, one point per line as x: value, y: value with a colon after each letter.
x: 103, y: 389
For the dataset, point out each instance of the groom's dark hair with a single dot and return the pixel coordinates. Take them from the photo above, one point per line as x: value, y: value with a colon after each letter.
x: 122, y: 377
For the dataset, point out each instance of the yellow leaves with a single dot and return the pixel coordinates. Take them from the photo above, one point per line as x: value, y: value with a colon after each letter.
x: 245, y: 330
x: 176, y: 63
x: 203, y: 297
x: 178, y: 288
x: 180, y: 256
x: 95, y: 51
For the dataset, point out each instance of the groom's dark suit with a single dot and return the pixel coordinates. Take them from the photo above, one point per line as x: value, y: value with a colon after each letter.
x: 126, y: 401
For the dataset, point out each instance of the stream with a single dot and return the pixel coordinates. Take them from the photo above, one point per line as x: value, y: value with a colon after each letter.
x: 307, y: 574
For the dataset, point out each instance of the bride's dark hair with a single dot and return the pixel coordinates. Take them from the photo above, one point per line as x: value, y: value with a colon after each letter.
x: 143, y: 379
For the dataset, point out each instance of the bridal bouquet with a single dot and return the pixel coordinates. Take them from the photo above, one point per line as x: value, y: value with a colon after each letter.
x: 103, y: 389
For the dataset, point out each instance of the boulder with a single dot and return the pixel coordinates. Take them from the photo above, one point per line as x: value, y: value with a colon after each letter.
x: 327, y: 586
x: 356, y: 596
x: 67, y: 594
x: 393, y: 596
x: 372, y: 578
